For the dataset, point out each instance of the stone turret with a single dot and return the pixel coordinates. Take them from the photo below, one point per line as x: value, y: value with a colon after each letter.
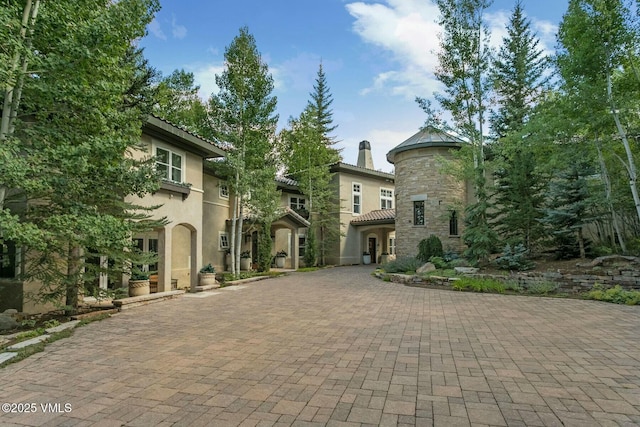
x: 364, y: 155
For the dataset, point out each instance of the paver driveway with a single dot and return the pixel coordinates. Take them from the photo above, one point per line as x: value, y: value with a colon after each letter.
x: 338, y: 347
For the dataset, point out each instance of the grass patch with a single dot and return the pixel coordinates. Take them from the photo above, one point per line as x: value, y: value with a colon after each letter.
x: 616, y: 295
x: 37, y: 348
x: 445, y: 272
x: 542, y: 288
x: 403, y: 265
x: 307, y: 269
x: 478, y: 285
x: 228, y: 277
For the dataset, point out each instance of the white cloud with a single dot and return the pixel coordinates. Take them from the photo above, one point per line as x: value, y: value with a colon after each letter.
x: 156, y: 30
x: 178, y: 31
x: 407, y: 30
x: 205, y: 77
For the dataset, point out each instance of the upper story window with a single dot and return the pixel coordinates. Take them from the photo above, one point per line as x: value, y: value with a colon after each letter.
x: 223, y: 240
x: 169, y: 164
x: 386, y: 198
x: 224, y: 190
x: 418, y: 212
x: 297, y: 203
x: 357, y: 197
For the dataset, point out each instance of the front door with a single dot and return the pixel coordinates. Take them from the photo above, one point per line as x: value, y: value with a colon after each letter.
x: 372, y: 250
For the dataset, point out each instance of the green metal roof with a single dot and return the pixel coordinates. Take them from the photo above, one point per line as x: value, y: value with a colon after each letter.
x: 426, y: 137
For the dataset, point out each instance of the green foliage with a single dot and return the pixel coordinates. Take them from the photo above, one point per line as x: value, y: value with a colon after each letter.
x: 514, y: 258
x: 402, y: 265
x: 478, y: 235
x: 430, y: 247
x: 307, y: 269
x: 178, y: 102
x: 478, y: 285
x: 265, y: 244
x: 438, y: 262
x: 616, y: 295
x: 208, y: 269
x: 310, y: 250
x: 542, y: 288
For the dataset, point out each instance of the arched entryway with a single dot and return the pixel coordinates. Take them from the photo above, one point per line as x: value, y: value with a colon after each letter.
x: 178, y: 257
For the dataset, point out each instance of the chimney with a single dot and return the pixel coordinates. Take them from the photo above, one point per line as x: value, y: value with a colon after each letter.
x: 364, y: 155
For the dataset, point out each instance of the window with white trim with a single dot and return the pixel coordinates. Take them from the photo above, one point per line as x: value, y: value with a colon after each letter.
x: 223, y: 239
x: 169, y: 164
x: 386, y: 198
x: 392, y: 245
x: 224, y: 190
x: 302, y: 244
x: 297, y: 203
x: 356, y: 193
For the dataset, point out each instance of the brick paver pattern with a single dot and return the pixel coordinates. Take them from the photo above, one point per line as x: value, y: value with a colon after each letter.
x: 338, y: 347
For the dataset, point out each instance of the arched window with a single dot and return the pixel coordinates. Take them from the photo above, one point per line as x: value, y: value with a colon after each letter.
x: 453, y: 223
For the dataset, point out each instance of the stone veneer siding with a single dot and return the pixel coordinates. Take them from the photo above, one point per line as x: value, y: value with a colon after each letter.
x: 418, y: 172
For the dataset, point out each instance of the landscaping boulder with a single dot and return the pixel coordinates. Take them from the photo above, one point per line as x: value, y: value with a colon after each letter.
x: 466, y: 270
x: 7, y: 322
x: 426, y: 268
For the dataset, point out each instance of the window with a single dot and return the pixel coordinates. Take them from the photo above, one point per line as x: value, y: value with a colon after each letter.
x: 297, y: 203
x: 224, y: 241
x: 386, y: 198
x: 453, y: 223
x: 147, y: 246
x: 418, y: 212
x: 7, y: 260
x: 169, y: 164
x: 392, y: 245
x: 224, y: 190
x: 357, y: 198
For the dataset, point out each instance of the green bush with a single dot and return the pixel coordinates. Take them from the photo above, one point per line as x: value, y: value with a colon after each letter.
x: 402, y: 265
x: 478, y: 285
x: 514, y: 258
x: 439, y: 262
x: 430, y: 247
x: 542, y: 288
x: 616, y: 295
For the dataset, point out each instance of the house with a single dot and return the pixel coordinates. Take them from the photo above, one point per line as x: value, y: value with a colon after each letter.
x: 197, y: 204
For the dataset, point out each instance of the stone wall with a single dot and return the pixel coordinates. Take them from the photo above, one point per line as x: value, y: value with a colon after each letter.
x: 420, y: 172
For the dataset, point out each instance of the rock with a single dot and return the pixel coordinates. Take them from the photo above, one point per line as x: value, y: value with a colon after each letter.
x: 426, y: 268
x: 7, y: 322
x: 10, y: 311
x: 466, y: 270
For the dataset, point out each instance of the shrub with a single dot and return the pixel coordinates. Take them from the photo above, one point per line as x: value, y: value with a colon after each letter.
x: 402, y: 265
x: 430, y: 247
x: 439, y: 262
x: 478, y: 285
x: 208, y: 269
x: 542, y: 288
x: 616, y: 295
x: 514, y: 258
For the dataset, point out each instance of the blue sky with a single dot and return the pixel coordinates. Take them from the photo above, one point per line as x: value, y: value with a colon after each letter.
x: 377, y: 55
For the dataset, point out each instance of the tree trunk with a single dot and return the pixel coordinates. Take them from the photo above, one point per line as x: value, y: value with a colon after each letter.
x: 239, y: 236
x: 580, y: 238
x: 608, y: 191
x: 74, y: 278
x: 631, y: 165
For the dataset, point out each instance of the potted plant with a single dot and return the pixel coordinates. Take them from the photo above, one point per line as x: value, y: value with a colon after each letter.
x: 280, y: 257
x: 207, y: 275
x: 245, y: 261
x: 366, y: 258
x: 384, y: 257
x: 139, y: 284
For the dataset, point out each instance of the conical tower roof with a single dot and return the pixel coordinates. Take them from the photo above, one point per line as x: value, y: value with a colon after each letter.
x: 426, y: 137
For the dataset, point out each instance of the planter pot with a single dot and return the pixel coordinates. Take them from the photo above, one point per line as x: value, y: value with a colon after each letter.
x: 227, y: 262
x: 138, y: 288
x: 245, y: 264
x: 207, y: 279
x: 366, y: 259
x: 384, y: 259
x: 280, y: 262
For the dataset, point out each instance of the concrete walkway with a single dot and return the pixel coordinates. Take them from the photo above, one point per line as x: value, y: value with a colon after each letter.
x: 337, y: 347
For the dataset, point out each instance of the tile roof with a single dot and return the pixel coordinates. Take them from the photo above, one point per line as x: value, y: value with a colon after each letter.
x: 286, y: 180
x: 380, y: 216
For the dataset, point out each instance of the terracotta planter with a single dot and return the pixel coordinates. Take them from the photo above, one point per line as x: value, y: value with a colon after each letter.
x: 138, y: 288
x: 280, y: 261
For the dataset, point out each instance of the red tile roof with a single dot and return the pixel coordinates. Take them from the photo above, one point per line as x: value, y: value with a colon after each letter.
x: 380, y: 216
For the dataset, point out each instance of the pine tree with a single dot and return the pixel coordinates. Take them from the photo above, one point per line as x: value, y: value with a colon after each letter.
x: 242, y: 115
x: 177, y: 101
x: 519, y: 80
x: 319, y: 108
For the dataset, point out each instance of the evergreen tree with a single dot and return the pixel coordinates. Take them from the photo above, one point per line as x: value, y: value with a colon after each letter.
x: 242, y: 116
x: 308, y: 155
x: 86, y: 107
x: 464, y: 59
x: 519, y: 81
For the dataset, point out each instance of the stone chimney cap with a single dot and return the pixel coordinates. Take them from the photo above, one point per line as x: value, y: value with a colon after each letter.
x: 365, y: 145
